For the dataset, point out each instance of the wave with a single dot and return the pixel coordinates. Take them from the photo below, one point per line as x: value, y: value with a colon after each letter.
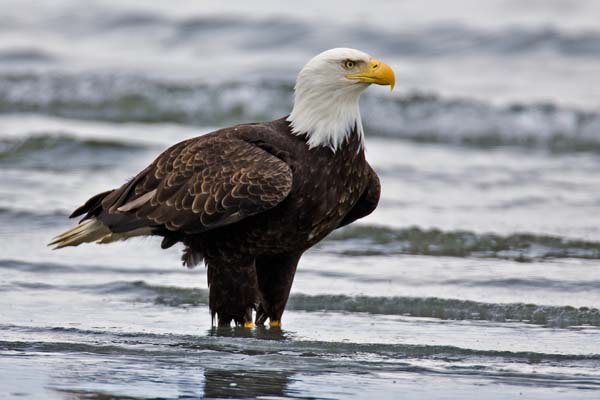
x: 430, y: 118
x: 446, y: 39
x: 15, y: 220
x: 122, y: 98
x: 373, y: 240
x: 53, y: 268
x: 415, y: 116
x: 421, y: 307
x: 257, y: 342
x: 284, y: 33
x: 272, y: 368
x: 59, y: 151
x: 25, y: 55
x: 367, y: 240
x: 429, y: 307
x: 452, y: 309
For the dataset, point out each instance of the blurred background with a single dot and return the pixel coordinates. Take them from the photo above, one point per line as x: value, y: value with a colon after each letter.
x: 480, y: 268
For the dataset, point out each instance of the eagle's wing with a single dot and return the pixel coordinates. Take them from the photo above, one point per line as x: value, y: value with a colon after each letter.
x: 199, y: 184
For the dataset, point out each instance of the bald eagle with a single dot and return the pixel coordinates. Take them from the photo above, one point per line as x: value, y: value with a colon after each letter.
x: 249, y: 200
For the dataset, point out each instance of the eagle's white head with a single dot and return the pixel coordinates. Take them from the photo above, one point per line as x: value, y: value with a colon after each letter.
x: 327, y: 92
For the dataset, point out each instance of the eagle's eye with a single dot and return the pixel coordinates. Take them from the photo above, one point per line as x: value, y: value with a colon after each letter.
x: 349, y: 64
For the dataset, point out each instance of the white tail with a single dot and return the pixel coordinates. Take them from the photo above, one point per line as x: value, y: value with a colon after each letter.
x: 90, y: 230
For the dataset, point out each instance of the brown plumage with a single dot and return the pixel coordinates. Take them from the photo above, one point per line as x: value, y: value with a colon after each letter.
x: 248, y: 200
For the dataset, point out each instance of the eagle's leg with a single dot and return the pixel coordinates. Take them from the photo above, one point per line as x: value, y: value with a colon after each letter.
x: 233, y: 290
x: 275, y: 276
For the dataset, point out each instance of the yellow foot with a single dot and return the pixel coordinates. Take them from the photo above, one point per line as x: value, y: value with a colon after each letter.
x: 249, y: 324
x: 275, y: 324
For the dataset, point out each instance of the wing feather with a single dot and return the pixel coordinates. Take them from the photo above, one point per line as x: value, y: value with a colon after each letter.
x: 200, y: 184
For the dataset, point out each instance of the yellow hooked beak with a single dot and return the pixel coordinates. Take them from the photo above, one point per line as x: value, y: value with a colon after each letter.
x: 375, y: 72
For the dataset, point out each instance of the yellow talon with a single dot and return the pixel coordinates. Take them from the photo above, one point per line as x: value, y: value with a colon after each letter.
x: 275, y: 324
x: 249, y: 324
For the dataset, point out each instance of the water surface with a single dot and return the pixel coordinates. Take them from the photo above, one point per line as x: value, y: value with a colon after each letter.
x: 477, y: 277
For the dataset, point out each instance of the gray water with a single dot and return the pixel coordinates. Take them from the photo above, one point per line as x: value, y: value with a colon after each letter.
x: 477, y: 277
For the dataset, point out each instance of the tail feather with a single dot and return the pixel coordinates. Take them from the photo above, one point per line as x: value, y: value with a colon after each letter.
x: 93, y: 204
x: 89, y: 230
x: 92, y: 229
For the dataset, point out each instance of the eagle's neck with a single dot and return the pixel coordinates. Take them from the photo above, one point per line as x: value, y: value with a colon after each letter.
x: 327, y: 115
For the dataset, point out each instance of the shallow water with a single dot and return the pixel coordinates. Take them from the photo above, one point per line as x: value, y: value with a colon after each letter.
x: 478, y: 276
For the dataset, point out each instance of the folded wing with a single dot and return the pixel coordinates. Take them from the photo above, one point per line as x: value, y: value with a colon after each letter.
x: 194, y: 186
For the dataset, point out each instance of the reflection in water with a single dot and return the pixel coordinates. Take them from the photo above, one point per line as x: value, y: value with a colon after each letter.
x: 225, y: 383
x: 89, y: 395
x: 218, y: 383
x: 222, y: 383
